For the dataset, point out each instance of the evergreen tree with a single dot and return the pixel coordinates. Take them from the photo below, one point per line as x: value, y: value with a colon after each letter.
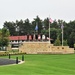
x: 65, y: 43
x: 57, y: 42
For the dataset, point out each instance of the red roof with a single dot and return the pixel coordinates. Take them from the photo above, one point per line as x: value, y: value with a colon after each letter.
x: 18, y: 37
x: 25, y: 37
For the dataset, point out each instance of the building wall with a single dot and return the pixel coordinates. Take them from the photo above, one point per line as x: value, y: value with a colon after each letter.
x: 44, y: 48
x: 9, y: 47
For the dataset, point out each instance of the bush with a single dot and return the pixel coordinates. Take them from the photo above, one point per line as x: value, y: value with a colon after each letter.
x: 57, y: 42
x: 65, y: 43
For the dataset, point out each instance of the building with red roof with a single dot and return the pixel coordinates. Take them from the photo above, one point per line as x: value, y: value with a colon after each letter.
x: 15, y: 41
x: 18, y: 38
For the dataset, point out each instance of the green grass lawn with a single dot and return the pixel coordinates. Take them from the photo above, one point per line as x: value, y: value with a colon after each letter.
x: 42, y: 65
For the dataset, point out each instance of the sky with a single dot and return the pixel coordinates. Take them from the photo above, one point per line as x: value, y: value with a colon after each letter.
x: 12, y: 10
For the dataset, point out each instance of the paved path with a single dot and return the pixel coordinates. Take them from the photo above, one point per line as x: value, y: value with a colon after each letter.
x: 7, y: 61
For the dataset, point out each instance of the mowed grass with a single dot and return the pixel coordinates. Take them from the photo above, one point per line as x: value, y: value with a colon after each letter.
x: 41, y: 65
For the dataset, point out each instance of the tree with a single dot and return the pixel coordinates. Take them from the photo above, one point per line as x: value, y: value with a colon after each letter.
x: 57, y: 42
x: 54, y: 24
x: 10, y: 26
x: 71, y: 39
x: 44, y: 32
x: 53, y: 34
x: 70, y: 31
x: 65, y: 43
x: 27, y: 27
x: 4, y: 38
x: 37, y: 21
x: 46, y: 23
x: 74, y: 46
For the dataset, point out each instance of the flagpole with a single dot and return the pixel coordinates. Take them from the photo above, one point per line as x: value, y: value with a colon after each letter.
x: 62, y: 34
x: 36, y: 29
x: 49, y: 30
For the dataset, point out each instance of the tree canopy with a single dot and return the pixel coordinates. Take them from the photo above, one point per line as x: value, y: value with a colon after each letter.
x: 4, y: 38
x: 27, y: 27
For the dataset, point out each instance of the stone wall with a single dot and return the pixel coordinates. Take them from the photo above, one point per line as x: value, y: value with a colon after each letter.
x: 44, y: 48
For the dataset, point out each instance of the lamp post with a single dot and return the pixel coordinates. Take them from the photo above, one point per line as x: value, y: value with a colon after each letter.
x: 43, y: 26
x: 43, y: 36
x: 62, y: 33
